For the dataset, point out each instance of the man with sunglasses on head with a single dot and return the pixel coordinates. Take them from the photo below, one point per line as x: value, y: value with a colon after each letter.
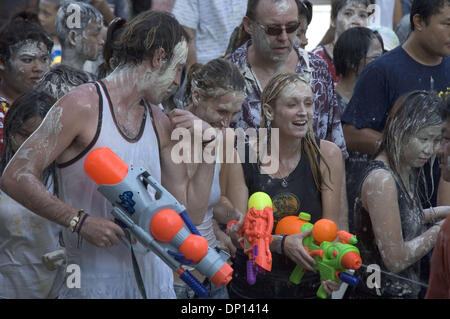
x: 271, y: 49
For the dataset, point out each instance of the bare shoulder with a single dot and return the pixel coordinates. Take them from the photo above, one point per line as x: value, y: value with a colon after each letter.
x: 379, y: 186
x: 330, y: 150
x: 378, y: 179
x: 82, y: 99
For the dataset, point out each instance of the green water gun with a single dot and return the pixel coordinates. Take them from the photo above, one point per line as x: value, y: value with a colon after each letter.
x: 333, y: 258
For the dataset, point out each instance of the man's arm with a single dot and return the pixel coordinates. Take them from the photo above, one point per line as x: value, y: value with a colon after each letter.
x: 363, y: 140
x: 398, y: 13
x: 364, y: 118
x: 193, y: 191
x: 64, y: 124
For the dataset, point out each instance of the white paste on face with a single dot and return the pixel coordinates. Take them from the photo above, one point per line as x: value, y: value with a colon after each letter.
x: 160, y: 81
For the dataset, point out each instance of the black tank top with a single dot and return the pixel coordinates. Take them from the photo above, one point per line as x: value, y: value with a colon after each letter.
x: 299, y: 195
x: 292, y: 195
x: 412, y: 220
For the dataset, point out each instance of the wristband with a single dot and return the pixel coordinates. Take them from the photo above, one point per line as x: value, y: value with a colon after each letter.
x: 280, y: 249
x: 282, y: 244
x: 74, y: 221
x: 85, y: 216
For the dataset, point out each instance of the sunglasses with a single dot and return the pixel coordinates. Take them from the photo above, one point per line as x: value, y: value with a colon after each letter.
x: 278, y: 29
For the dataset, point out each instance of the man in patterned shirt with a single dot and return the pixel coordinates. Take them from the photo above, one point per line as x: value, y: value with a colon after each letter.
x: 271, y: 25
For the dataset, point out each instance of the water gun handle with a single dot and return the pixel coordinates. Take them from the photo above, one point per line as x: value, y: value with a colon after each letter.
x: 193, y: 282
x: 297, y: 275
x: 321, y: 293
x: 349, y: 279
x: 251, y: 272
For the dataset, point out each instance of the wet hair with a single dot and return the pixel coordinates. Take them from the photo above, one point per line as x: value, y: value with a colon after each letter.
x: 61, y: 79
x: 425, y: 9
x: 28, y: 105
x: 411, y: 113
x: 65, y: 14
x: 146, y: 33
x: 339, y: 4
x: 305, y: 10
x: 351, y: 48
x: 309, y: 147
x: 216, y: 74
x: 445, y: 109
x: 22, y: 27
x: 110, y: 47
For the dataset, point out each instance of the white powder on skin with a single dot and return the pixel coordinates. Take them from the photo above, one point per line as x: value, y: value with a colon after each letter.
x: 28, y: 48
x: 51, y: 127
x: 283, y: 6
x: 161, y: 81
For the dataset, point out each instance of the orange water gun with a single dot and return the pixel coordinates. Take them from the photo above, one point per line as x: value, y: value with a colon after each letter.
x: 256, y: 232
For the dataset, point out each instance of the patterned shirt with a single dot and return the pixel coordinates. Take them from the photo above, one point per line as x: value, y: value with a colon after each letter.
x: 320, y: 50
x: 4, y: 106
x: 326, y: 118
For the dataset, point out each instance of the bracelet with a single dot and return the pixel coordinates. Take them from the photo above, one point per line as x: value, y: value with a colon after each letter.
x: 74, y: 221
x: 280, y: 249
x: 85, y: 216
x: 282, y: 244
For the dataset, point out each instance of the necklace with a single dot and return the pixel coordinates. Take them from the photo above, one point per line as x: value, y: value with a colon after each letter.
x: 284, y: 182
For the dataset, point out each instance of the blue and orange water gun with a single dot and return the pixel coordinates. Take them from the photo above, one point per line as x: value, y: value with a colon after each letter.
x: 161, y: 224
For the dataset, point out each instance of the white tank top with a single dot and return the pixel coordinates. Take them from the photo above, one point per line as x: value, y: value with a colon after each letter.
x: 206, y: 227
x: 108, y: 272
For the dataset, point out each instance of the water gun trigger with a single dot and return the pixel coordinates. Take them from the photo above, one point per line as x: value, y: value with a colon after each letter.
x: 180, y: 257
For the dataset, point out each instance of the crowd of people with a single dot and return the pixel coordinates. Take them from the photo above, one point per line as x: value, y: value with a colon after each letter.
x: 359, y: 130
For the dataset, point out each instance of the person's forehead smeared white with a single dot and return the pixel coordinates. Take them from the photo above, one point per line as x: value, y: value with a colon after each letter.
x: 29, y: 47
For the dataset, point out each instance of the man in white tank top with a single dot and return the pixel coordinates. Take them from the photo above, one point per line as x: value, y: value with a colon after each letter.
x: 113, y: 112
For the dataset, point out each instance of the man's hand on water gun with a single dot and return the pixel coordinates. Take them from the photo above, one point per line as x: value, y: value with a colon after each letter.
x: 227, y: 244
x: 293, y: 248
x: 101, y: 232
x: 329, y: 286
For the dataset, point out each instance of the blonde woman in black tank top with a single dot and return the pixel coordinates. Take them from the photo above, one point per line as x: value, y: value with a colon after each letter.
x: 309, y: 177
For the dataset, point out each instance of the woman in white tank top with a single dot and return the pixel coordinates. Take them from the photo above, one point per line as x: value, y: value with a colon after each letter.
x: 214, y: 93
